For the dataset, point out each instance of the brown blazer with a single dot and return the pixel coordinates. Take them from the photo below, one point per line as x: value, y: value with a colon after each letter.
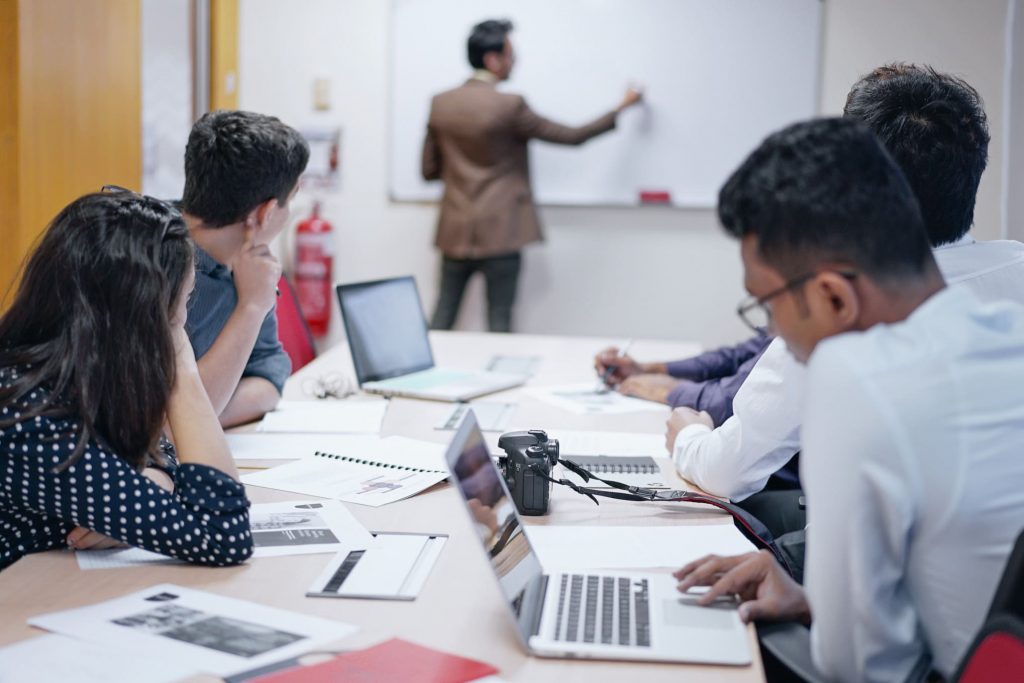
x: 476, y: 143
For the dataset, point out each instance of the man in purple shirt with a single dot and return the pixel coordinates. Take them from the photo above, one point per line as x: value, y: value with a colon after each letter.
x: 706, y: 383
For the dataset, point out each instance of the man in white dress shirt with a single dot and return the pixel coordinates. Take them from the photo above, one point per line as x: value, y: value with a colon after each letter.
x: 914, y: 411
x: 935, y: 127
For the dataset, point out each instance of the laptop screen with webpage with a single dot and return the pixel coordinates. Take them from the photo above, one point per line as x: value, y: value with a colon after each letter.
x: 494, y: 518
x: 386, y: 329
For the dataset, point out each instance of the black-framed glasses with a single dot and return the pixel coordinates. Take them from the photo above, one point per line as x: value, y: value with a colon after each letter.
x: 755, y: 313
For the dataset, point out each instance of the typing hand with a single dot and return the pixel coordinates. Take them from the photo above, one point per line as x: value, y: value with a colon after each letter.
x: 256, y: 272
x: 681, y: 418
x: 765, y: 590
x: 648, y: 386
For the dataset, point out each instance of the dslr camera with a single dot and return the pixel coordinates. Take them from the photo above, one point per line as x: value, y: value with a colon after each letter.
x: 529, y: 458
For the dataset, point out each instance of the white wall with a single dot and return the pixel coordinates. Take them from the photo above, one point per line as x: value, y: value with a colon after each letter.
x: 959, y: 36
x: 647, y: 272
x: 1015, y: 110
x: 166, y: 95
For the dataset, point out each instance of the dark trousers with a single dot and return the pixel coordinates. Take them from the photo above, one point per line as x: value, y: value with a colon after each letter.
x: 780, y: 511
x: 502, y: 276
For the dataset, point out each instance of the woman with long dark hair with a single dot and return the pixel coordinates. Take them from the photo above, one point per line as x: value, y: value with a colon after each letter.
x: 94, y: 363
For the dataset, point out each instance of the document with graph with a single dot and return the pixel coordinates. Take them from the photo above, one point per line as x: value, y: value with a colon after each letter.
x: 372, y: 474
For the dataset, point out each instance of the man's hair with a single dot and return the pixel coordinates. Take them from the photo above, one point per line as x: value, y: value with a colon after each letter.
x: 487, y: 36
x: 826, y: 192
x: 934, y: 125
x: 235, y: 161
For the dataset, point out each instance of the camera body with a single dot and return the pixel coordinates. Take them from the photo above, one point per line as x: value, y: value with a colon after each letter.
x: 529, y: 457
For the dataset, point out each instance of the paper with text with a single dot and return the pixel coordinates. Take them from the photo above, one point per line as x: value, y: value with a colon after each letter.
x: 213, y: 633
x: 291, y: 528
x: 586, y: 399
x: 392, y: 469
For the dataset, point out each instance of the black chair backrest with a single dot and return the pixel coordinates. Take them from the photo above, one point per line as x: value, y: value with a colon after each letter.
x: 1009, y: 597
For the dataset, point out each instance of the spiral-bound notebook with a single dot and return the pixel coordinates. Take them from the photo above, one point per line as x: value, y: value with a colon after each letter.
x: 392, y: 469
x: 634, y: 470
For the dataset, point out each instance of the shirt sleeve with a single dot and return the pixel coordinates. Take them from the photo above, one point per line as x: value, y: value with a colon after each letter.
x: 204, y: 521
x: 860, y: 501
x: 736, y: 459
x: 268, y: 358
x: 720, y: 362
x: 713, y: 395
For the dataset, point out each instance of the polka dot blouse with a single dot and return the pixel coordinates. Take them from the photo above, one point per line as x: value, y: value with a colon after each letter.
x: 205, y: 520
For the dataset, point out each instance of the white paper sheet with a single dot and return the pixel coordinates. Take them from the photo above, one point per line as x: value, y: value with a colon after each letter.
x: 214, y: 634
x: 271, y: 446
x: 392, y: 469
x: 291, y: 528
x: 490, y: 416
x: 59, y: 659
x: 394, y: 567
x: 351, y: 416
x: 585, y: 399
x: 632, y: 547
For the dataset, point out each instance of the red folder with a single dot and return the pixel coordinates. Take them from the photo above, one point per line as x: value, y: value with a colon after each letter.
x: 393, y: 660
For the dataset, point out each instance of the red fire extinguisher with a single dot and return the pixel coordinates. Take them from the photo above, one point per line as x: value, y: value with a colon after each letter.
x: 314, y: 258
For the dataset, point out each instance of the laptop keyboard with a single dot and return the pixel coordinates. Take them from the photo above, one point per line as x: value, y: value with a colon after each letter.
x: 604, y: 610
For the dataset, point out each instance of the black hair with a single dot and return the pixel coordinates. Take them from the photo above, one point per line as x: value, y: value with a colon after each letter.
x: 91, y: 322
x: 487, y: 36
x: 235, y: 161
x: 826, y: 192
x: 934, y: 125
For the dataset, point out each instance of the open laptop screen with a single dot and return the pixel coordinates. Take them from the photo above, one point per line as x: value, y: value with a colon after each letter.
x: 497, y: 523
x: 386, y: 330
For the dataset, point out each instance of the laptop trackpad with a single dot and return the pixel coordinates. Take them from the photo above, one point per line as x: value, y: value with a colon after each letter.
x: 686, y: 613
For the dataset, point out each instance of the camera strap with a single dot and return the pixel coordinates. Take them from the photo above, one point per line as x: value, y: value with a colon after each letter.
x: 751, y: 527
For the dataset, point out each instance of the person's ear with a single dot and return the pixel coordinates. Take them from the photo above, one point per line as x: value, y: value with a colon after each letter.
x: 834, y: 300
x: 258, y: 217
x: 492, y: 61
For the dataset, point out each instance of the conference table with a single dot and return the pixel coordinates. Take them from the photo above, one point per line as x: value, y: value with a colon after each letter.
x: 460, y: 608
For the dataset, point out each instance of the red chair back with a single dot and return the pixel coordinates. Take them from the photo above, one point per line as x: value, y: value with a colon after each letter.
x: 292, y: 329
x: 996, y: 655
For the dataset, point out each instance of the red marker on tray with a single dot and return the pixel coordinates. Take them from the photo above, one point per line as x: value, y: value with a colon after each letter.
x: 655, y: 197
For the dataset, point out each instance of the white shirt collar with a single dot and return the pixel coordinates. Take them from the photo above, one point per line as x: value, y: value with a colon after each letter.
x: 962, y: 242
x: 485, y: 76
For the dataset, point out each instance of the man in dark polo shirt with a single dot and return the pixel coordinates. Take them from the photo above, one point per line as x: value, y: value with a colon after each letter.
x: 241, y: 171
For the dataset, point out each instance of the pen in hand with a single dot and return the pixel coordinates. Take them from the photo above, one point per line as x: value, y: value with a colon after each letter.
x: 612, y: 367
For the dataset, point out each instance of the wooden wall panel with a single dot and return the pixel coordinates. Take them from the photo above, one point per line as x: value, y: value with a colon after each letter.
x: 223, y: 54
x: 10, y: 255
x: 80, y: 103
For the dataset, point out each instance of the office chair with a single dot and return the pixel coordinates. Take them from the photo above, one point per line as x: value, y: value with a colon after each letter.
x: 292, y: 329
x: 997, y: 653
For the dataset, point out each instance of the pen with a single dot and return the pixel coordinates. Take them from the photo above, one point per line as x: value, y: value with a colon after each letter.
x: 610, y: 370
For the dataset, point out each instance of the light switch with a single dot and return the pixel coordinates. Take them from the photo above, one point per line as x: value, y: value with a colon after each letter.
x: 321, y: 94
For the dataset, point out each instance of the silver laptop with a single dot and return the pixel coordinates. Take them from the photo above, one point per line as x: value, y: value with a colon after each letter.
x: 592, y: 613
x: 387, y: 335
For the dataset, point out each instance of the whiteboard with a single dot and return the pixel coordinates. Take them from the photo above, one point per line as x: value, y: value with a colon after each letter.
x: 719, y: 76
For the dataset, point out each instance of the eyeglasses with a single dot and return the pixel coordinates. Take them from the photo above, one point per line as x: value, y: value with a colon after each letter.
x: 754, y: 312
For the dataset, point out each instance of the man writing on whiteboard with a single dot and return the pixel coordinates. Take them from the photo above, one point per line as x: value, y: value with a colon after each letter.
x: 477, y: 144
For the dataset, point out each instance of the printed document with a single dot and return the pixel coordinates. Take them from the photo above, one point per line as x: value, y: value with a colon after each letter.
x: 213, y: 633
